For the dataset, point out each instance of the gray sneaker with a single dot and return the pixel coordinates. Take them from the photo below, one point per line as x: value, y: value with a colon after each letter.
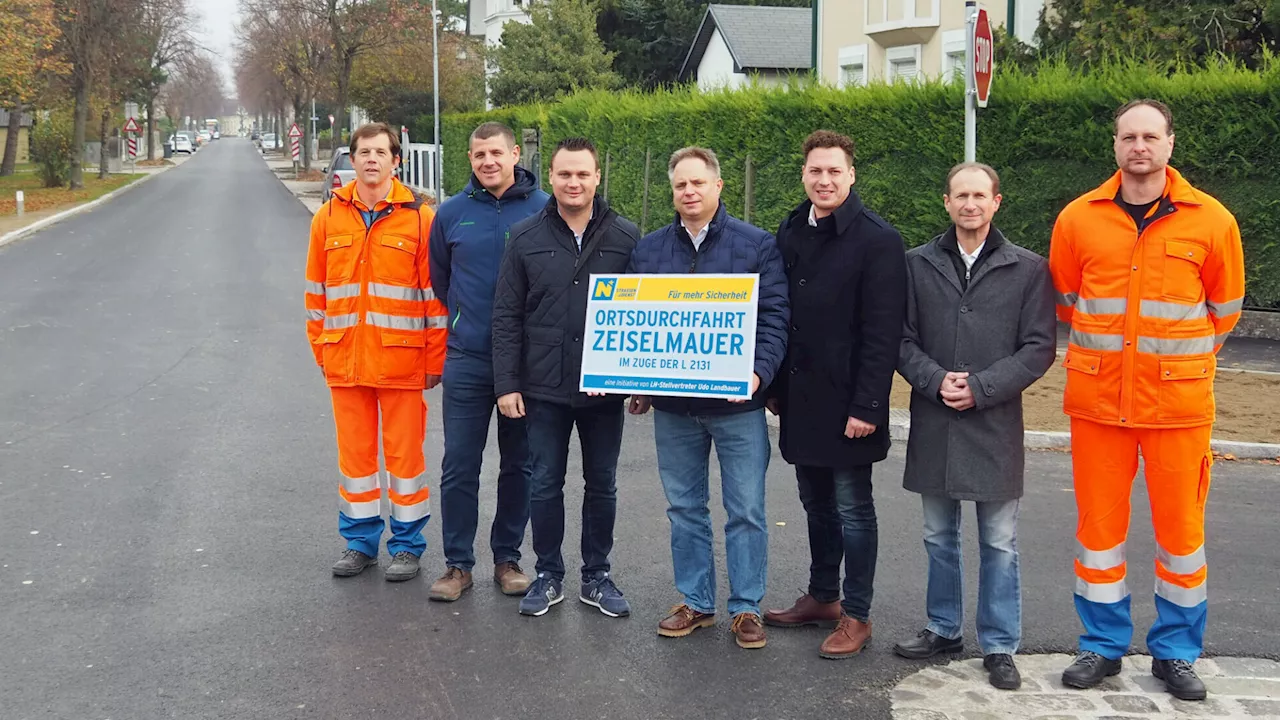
x: 352, y: 562
x: 404, y: 566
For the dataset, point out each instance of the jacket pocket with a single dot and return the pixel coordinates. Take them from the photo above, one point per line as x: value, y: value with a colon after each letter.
x: 401, y: 360
x: 339, y: 258
x: 1081, y: 395
x: 544, y: 357
x: 336, y: 358
x: 1182, y: 262
x: 612, y: 260
x: 1186, y: 388
x: 395, y: 259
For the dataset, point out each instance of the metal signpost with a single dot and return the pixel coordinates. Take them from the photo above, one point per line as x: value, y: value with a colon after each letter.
x: 978, y: 52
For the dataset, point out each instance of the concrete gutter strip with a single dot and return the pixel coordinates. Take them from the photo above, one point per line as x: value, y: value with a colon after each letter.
x: 46, y: 222
x: 900, y: 430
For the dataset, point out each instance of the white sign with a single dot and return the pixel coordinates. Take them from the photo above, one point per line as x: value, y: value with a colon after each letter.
x: 684, y: 335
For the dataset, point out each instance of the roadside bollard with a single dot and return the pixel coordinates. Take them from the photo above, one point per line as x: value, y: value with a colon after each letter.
x: 20, y: 203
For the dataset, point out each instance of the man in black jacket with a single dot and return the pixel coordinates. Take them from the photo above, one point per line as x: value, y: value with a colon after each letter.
x: 846, y: 269
x: 539, y: 315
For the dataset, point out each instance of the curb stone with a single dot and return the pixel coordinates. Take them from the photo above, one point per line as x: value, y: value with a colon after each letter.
x: 900, y: 429
x: 38, y: 225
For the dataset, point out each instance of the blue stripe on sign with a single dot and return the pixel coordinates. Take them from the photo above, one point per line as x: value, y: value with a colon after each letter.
x: 616, y: 384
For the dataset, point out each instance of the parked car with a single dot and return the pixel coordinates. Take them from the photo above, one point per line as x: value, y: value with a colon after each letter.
x: 338, y: 172
x: 268, y: 142
x: 190, y: 135
x: 203, y: 137
x: 217, y: 135
x: 182, y: 144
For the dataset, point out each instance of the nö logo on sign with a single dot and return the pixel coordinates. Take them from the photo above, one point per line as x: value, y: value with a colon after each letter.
x: 604, y: 289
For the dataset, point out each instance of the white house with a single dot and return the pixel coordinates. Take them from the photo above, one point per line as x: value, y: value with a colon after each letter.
x: 738, y: 43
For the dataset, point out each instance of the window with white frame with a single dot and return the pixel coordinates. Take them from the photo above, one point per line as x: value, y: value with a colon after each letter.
x: 853, y: 65
x: 902, y: 64
x: 953, y: 56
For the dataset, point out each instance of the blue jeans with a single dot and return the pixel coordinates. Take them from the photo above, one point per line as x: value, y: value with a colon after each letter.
x: 468, y: 406
x: 999, y: 582
x: 842, y: 524
x: 742, y: 446
x: 600, y: 435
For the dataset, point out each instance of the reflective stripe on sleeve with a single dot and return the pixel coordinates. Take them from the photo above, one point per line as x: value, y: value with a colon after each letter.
x: 1219, y: 339
x: 438, y: 321
x: 315, y: 314
x: 1223, y: 309
x: 315, y: 288
x: 1068, y: 299
x: 1106, y: 593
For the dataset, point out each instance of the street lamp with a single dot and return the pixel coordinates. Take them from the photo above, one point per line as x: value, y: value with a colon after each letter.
x: 437, y: 166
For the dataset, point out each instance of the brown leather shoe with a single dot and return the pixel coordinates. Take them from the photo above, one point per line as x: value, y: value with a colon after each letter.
x: 510, y: 578
x: 848, y: 639
x: 748, y: 631
x: 805, y: 611
x: 450, y: 585
x: 683, y: 620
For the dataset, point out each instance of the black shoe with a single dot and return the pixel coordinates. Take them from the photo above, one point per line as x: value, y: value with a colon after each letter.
x: 926, y: 644
x: 1179, y: 678
x: 1088, y: 670
x: 352, y: 562
x: 404, y: 566
x: 1001, y: 671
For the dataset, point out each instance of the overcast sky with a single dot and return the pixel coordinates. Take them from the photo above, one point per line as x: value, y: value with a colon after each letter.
x: 215, y: 30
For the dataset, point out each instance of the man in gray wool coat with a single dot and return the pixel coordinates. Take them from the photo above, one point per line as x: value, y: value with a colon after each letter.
x: 980, y: 329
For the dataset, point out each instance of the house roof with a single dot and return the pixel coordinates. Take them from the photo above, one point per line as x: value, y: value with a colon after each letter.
x: 759, y: 37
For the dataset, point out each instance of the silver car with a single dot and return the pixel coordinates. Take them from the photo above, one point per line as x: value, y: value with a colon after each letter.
x: 338, y: 172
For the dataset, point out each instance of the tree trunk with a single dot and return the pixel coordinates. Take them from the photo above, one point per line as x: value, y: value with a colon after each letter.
x: 79, y: 121
x: 10, y: 162
x: 344, y: 86
x: 104, y: 157
x: 151, y: 129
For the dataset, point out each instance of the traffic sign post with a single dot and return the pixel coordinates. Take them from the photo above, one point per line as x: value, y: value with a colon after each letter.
x: 979, y: 64
x: 295, y: 147
x: 132, y: 130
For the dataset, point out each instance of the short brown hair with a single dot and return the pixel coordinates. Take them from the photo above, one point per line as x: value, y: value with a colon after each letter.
x: 990, y: 171
x: 827, y: 139
x: 704, y: 154
x: 1156, y: 104
x: 493, y: 129
x: 576, y: 144
x: 373, y: 130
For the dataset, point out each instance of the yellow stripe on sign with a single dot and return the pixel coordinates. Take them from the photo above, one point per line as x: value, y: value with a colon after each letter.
x: 694, y: 288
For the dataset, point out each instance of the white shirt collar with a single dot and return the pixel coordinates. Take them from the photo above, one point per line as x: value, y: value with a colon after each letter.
x: 813, y: 219
x: 697, y: 239
x: 969, y: 260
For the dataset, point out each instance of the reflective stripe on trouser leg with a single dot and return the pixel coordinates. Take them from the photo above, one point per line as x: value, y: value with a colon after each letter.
x: 404, y: 424
x: 1104, y: 462
x: 355, y: 415
x: 1178, y: 466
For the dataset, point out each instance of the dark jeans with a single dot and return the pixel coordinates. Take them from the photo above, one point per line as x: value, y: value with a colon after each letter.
x: 842, y: 524
x: 468, y: 406
x: 600, y: 435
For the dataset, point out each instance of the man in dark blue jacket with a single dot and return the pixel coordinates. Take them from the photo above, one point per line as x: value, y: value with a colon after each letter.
x: 468, y: 238
x: 705, y: 239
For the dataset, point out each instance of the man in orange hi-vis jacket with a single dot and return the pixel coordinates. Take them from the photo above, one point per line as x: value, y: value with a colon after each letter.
x: 1150, y: 274
x: 378, y: 333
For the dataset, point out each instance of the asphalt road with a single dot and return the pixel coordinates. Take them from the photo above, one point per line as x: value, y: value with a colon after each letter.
x: 167, y: 492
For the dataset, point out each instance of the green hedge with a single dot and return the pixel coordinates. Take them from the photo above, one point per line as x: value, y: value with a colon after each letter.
x: 1048, y: 134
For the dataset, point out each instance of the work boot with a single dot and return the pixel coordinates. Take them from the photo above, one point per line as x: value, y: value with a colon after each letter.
x: 805, y: 611
x: 404, y: 566
x: 748, y: 630
x: 847, y: 640
x: 1179, y: 678
x: 683, y: 620
x: 1089, y: 669
x: 1001, y: 672
x: 510, y: 578
x: 926, y: 644
x: 352, y: 562
x: 450, y: 585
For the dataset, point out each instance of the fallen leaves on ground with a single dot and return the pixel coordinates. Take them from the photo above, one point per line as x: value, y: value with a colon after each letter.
x: 40, y: 198
x: 158, y: 162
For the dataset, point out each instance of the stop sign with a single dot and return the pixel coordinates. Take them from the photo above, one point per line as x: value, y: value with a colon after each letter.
x: 982, y: 60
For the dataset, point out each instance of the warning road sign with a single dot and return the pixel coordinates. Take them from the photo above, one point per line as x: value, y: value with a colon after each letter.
x: 131, y: 126
x: 294, y: 132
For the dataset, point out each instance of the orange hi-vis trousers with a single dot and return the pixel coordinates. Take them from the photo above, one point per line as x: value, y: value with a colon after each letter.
x: 1177, y: 465
x: 404, y: 425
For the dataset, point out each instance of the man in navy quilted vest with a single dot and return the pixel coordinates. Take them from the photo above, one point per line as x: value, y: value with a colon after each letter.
x: 704, y: 238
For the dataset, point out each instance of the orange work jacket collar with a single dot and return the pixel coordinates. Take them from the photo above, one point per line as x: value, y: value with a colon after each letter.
x: 1177, y: 189
x: 399, y: 195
